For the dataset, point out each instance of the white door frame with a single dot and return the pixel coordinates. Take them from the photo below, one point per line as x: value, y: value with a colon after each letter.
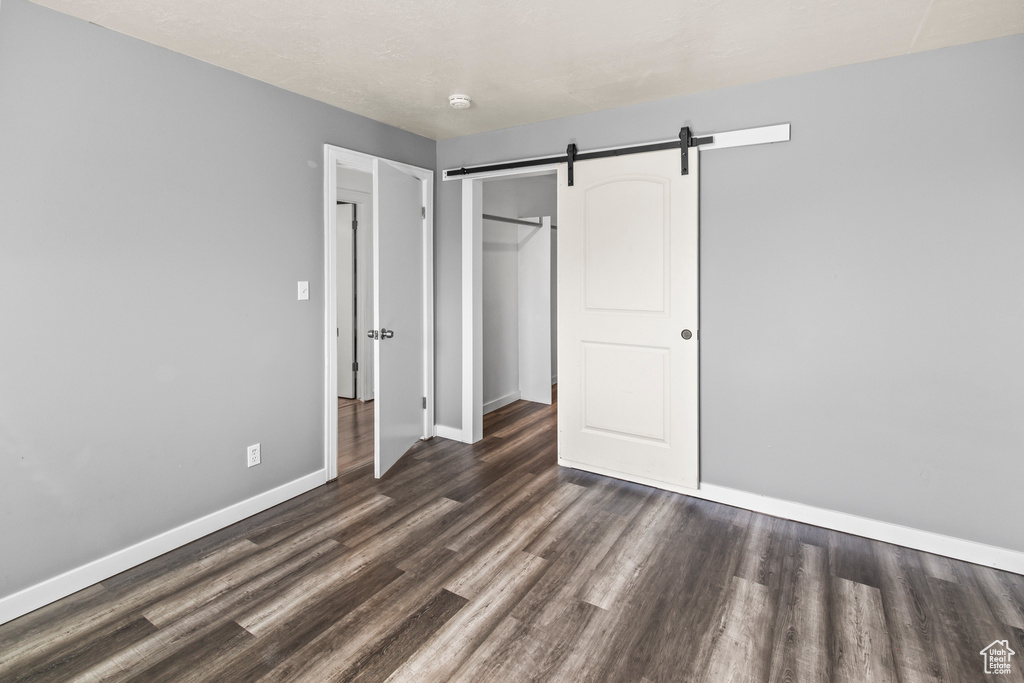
x: 358, y: 161
x: 472, y: 298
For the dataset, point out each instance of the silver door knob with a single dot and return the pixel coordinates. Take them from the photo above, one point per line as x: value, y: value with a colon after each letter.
x: 372, y: 334
x: 686, y: 334
x: 386, y: 334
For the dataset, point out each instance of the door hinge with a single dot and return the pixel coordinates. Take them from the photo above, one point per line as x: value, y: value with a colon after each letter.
x: 424, y: 403
x: 355, y: 224
x: 337, y: 331
x: 423, y: 212
x: 355, y: 367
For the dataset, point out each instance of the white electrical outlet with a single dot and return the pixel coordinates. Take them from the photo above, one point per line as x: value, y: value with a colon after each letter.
x: 252, y: 455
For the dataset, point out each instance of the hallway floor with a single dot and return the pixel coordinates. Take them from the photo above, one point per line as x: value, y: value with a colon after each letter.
x: 355, y: 434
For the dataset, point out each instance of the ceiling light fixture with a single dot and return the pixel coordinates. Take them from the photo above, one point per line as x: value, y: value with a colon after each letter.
x: 459, y: 101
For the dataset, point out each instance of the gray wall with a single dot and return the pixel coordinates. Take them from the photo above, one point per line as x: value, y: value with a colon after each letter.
x: 155, y: 215
x: 861, y: 285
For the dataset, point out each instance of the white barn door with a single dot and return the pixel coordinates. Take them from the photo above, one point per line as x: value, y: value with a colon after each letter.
x: 627, y: 319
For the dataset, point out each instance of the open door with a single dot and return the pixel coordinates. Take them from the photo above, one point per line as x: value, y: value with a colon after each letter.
x: 627, y: 319
x: 398, y: 313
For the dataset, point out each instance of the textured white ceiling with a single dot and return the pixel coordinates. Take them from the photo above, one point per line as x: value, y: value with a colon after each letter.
x: 522, y: 61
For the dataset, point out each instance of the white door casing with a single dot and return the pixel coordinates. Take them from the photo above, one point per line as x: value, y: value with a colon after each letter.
x: 627, y: 290
x: 398, y: 276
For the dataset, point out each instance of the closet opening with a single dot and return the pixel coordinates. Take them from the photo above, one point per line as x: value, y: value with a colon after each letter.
x: 518, y: 289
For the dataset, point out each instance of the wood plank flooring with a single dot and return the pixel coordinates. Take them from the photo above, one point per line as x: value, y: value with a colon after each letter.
x: 490, y: 563
x: 355, y: 434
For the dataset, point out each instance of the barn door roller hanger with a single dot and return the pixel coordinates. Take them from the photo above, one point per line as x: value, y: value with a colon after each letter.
x: 684, y: 143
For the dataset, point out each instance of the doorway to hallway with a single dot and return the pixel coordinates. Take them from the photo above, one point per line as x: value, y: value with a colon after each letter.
x: 401, y: 331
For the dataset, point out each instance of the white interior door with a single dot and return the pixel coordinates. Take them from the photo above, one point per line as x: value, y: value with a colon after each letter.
x: 398, y: 256
x: 346, y: 300
x: 627, y: 319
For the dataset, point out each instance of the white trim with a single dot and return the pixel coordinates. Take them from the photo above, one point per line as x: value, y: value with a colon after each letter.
x: 331, y: 156
x: 446, y: 432
x: 925, y: 541
x: 497, y: 403
x: 428, y: 304
x: 748, y: 136
x: 358, y: 161
x: 472, y: 311
x: 743, y: 137
x: 76, y: 579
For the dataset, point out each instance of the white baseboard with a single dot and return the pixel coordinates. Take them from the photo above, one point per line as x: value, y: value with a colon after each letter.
x: 501, y: 402
x: 74, y: 580
x: 926, y: 541
x: 446, y: 432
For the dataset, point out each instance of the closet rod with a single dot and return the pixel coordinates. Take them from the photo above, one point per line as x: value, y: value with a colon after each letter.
x: 517, y: 221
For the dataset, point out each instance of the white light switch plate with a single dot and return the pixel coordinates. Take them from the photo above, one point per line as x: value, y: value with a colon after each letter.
x: 303, y: 291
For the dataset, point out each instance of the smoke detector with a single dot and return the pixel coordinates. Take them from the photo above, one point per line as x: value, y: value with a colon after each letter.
x: 459, y: 101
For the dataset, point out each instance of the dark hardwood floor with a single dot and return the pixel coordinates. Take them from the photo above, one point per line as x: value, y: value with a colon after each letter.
x: 490, y: 563
x: 355, y: 434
